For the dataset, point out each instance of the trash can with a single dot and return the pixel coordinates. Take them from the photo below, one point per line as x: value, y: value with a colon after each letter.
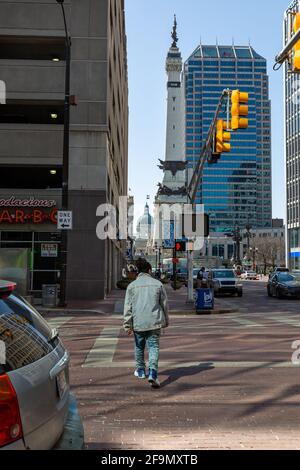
x: 49, y: 295
x: 204, y: 299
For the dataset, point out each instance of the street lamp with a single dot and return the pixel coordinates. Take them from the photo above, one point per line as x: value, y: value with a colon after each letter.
x: 254, y: 252
x: 156, y: 253
x: 248, y: 235
x: 65, y: 166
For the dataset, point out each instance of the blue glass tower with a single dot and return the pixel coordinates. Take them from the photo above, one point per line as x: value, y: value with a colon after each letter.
x: 237, y: 190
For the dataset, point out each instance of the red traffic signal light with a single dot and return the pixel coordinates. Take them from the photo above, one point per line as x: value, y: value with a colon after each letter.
x: 180, y: 246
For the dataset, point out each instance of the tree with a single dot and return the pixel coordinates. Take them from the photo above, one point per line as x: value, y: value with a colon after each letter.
x: 268, y: 251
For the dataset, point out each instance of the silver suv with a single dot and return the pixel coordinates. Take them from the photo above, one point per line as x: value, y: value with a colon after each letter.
x: 224, y: 281
x: 34, y: 376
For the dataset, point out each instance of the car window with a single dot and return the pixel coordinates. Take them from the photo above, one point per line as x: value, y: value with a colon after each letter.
x: 24, y: 343
x: 286, y: 277
x: 224, y: 274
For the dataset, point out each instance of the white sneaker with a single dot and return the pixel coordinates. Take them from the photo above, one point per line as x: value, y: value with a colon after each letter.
x: 140, y: 373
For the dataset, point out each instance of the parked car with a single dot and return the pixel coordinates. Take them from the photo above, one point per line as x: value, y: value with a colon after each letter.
x: 34, y: 376
x: 278, y: 270
x: 284, y: 284
x: 251, y: 275
x: 224, y: 281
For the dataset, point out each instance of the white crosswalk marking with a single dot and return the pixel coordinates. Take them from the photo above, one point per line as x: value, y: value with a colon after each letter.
x: 58, y: 322
x: 247, y: 323
x: 206, y: 364
x: 104, y: 348
x: 286, y: 321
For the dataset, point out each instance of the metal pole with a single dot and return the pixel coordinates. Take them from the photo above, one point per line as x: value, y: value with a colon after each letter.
x: 65, y: 169
x: 190, y: 262
x: 283, y: 55
x: 174, y: 267
x: 194, y: 183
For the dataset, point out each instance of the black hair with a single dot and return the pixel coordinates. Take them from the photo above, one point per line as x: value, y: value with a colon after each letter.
x: 143, y: 266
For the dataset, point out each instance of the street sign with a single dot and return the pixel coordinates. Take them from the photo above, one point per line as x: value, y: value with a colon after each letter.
x: 49, y: 250
x: 64, y: 220
x: 168, y: 234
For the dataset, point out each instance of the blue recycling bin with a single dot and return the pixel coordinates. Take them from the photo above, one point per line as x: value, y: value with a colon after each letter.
x: 204, y: 299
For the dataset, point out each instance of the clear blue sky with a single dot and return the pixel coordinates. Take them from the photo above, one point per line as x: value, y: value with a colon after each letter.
x: 149, y: 25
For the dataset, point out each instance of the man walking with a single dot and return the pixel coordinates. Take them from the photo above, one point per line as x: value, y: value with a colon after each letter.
x: 145, y: 314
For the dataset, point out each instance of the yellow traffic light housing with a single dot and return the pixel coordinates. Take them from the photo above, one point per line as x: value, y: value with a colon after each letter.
x: 222, y: 138
x: 296, y: 64
x: 239, y: 110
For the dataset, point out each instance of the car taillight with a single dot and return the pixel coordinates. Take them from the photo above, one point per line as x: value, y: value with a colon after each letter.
x: 10, y: 420
x: 6, y: 288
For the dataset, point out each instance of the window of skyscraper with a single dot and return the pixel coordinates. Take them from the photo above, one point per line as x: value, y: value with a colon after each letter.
x: 209, y: 51
x: 243, y: 53
x: 226, y: 52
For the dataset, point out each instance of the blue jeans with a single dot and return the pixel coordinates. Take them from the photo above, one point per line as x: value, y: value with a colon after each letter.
x: 151, y: 339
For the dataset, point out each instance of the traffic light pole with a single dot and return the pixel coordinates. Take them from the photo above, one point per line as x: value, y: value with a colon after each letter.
x: 190, y: 264
x: 206, y: 150
x: 174, y: 267
x: 284, y: 54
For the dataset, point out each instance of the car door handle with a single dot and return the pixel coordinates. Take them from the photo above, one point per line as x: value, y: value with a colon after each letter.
x: 60, y: 366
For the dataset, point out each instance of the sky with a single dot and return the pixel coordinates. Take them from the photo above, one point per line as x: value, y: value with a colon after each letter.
x: 149, y: 25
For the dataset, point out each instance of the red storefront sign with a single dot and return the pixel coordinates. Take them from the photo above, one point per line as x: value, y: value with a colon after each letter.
x: 19, y: 216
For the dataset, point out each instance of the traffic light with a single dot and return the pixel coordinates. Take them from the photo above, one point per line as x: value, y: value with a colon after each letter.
x: 297, y: 45
x: 180, y: 246
x: 239, y: 110
x: 222, y: 138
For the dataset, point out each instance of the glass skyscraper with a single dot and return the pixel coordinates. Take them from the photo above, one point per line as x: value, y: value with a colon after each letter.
x: 292, y: 150
x: 236, y: 190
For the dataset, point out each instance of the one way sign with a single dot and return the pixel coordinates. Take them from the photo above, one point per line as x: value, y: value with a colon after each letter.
x: 64, y: 220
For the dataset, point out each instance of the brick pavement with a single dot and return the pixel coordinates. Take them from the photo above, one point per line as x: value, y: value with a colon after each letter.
x: 227, y: 381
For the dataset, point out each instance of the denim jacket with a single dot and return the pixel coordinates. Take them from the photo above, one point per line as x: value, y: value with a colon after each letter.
x: 146, y: 305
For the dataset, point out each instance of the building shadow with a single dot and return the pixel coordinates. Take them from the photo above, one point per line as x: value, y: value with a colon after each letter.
x: 179, y: 372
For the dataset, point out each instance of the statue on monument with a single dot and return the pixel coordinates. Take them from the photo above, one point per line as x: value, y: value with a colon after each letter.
x: 174, y: 33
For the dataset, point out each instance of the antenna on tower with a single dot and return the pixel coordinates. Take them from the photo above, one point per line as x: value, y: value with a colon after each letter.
x: 232, y: 41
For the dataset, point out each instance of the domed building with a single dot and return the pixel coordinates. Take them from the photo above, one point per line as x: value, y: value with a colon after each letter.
x: 144, y: 232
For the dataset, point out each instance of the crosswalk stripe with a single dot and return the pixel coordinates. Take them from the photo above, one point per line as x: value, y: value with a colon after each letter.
x: 247, y: 323
x: 287, y: 321
x: 104, y: 348
x: 58, y: 322
x: 206, y: 364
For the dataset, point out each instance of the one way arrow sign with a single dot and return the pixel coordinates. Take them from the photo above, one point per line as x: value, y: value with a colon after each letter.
x: 64, y: 220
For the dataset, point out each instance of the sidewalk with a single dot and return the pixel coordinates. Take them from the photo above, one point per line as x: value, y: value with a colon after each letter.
x: 114, y: 303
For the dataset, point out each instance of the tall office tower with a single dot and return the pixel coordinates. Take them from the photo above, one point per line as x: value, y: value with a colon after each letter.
x: 292, y: 149
x: 32, y: 63
x: 236, y: 190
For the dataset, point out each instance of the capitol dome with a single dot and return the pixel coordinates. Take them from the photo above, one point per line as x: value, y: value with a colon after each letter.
x: 145, y: 225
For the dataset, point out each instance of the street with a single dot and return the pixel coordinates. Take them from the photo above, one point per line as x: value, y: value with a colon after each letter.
x: 228, y: 381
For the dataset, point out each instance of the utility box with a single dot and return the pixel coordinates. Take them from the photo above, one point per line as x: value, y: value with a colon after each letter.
x: 204, y: 299
x: 49, y: 295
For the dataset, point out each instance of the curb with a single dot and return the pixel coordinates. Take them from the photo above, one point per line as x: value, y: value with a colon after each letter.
x: 219, y: 311
x: 45, y: 312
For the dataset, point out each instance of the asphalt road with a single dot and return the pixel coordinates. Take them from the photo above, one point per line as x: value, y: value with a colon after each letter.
x: 228, y: 381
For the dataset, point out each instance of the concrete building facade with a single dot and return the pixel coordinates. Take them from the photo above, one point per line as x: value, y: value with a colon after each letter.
x: 32, y: 64
x: 292, y: 149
